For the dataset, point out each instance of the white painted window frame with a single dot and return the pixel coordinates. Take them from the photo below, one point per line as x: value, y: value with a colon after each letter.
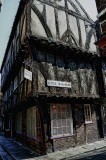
x: 87, y: 113
x: 71, y: 122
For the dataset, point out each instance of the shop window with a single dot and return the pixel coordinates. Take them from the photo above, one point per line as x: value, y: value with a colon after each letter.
x: 31, y: 122
x: 19, y: 122
x: 87, y: 113
x: 61, y: 120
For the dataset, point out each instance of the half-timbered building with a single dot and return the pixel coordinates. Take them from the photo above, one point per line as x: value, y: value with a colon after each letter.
x: 51, y: 81
x: 101, y: 43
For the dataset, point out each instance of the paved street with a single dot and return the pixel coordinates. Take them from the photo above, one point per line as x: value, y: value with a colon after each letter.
x: 93, y: 156
x: 4, y: 155
x: 10, y: 149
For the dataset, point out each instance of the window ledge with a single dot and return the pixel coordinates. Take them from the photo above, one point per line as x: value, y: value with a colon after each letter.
x: 62, y: 136
x: 88, y: 122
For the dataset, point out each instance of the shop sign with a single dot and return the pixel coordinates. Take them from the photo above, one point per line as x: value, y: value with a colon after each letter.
x: 53, y: 83
x: 28, y: 74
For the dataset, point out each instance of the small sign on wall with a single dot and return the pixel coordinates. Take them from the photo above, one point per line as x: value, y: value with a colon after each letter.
x: 28, y: 74
x: 58, y: 84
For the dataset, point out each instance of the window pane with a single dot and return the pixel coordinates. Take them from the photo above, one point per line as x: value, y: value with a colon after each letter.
x: 55, y: 131
x: 69, y: 130
x: 59, y: 130
x: 59, y: 122
x: 64, y: 130
x: 63, y: 122
x: 68, y: 122
x: 55, y: 123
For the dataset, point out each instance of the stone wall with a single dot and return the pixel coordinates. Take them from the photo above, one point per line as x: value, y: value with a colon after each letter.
x: 92, y: 129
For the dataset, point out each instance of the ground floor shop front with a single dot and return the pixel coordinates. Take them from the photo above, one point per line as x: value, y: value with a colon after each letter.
x: 48, y: 126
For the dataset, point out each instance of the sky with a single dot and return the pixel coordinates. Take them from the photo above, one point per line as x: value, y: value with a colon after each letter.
x: 90, y: 8
x: 7, y: 15
x: 8, y: 12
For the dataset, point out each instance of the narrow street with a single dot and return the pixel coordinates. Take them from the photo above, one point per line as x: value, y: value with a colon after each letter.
x: 12, y: 150
x: 5, y: 155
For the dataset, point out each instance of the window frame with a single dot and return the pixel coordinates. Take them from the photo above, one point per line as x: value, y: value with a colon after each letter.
x: 71, y: 122
x: 88, y: 107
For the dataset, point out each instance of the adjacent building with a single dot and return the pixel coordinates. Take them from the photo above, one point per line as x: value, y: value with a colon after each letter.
x: 101, y: 43
x: 51, y: 81
x: 101, y: 7
x: 1, y: 111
